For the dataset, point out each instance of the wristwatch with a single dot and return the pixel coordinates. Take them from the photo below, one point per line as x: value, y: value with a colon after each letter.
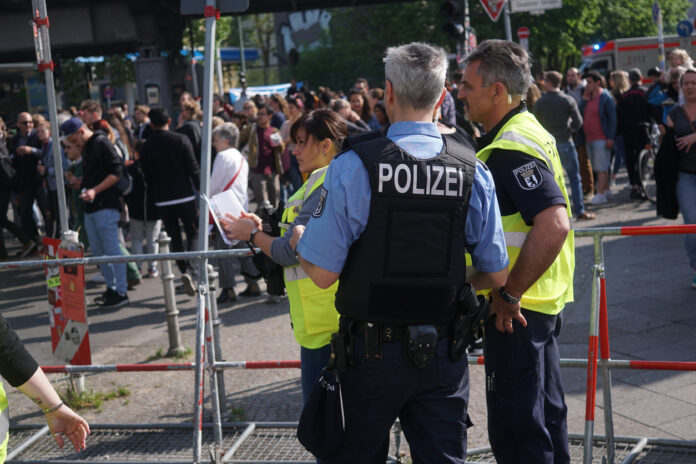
x: 252, y: 235
x: 509, y: 299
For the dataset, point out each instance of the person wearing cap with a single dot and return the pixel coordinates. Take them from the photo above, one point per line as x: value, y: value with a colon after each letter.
x: 102, y: 168
x: 656, y: 95
x: 633, y: 112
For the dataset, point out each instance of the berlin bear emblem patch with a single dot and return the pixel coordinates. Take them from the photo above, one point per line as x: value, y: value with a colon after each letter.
x: 528, y: 176
x: 322, y: 203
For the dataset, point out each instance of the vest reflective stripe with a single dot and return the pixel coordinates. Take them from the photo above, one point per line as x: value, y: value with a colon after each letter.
x: 293, y: 273
x: 515, y: 239
x: 4, y: 424
x: 312, y: 310
x: 554, y: 288
x: 521, y: 139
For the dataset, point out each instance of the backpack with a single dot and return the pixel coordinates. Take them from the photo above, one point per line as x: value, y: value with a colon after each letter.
x: 124, y: 186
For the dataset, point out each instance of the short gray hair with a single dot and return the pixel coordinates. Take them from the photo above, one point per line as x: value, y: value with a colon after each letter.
x: 227, y: 131
x: 505, y: 62
x: 417, y: 74
x: 338, y: 104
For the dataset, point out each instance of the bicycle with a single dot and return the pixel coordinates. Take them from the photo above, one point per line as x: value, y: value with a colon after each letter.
x: 646, y: 163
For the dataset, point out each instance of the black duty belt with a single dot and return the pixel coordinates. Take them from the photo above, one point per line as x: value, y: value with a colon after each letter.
x: 393, y: 333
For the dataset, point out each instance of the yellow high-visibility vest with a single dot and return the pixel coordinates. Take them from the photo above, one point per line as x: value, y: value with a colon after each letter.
x: 554, y: 288
x: 4, y: 424
x: 312, y: 309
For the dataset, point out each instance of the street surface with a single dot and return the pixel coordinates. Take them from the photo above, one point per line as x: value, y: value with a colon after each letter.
x: 651, y: 309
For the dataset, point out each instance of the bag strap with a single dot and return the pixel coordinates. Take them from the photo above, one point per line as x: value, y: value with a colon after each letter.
x: 235, y: 176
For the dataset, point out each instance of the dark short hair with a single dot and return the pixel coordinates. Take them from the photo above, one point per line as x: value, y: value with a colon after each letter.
x: 554, y: 78
x: 159, y: 116
x: 634, y: 75
x: 321, y: 124
x: 267, y: 107
x: 594, y: 75
x: 654, y: 72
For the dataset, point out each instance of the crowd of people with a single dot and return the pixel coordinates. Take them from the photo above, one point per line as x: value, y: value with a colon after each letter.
x: 382, y: 188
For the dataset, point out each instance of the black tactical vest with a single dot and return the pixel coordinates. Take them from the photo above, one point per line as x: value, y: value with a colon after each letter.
x: 408, y: 265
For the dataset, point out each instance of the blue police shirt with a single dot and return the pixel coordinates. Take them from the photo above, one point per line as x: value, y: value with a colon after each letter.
x: 328, y: 238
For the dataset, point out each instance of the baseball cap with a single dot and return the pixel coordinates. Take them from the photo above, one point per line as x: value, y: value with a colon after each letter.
x: 69, y: 127
x: 654, y: 72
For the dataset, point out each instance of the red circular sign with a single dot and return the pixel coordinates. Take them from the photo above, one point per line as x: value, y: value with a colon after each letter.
x: 523, y: 32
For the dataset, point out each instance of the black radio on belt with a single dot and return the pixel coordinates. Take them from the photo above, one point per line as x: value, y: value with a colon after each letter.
x: 421, y: 344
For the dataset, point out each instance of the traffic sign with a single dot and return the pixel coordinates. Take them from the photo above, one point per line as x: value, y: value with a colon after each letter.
x: 529, y: 6
x: 685, y: 28
x: 493, y: 8
x: 108, y: 93
x: 523, y: 32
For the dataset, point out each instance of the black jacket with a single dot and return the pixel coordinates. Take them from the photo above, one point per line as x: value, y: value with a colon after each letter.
x: 140, y: 201
x: 25, y: 165
x: 170, y: 167
x: 99, y: 160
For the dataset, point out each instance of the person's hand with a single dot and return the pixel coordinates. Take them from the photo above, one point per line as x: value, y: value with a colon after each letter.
x: 609, y: 143
x: 505, y: 313
x: 237, y: 228
x: 661, y: 129
x: 685, y: 143
x: 24, y: 150
x: 297, y: 232
x: 64, y: 422
x: 88, y: 195
x: 41, y: 169
x: 257, y: 220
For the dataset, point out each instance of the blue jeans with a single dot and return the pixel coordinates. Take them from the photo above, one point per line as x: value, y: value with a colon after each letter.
x: 313, y: 361
x: 569, y: 160
x: 686, y: 194
x: 102, y: 231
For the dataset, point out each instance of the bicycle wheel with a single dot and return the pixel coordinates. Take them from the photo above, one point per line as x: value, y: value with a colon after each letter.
x: 646, y: 170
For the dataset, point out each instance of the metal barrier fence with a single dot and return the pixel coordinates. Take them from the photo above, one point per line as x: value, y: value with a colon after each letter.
x: 206, y: 339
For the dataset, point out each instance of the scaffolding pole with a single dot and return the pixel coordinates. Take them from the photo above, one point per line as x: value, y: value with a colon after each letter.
x: 42, y: 44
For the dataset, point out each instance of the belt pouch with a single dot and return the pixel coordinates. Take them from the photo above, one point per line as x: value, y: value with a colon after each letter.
x: 373, y: 341
x: 340, y: 351
x: 421, y: 344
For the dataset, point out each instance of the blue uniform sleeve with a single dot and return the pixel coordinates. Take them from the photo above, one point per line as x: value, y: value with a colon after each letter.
x: 484, y: 227
x: 341, y: 215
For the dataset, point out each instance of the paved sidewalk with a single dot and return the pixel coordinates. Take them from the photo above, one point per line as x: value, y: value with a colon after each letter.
x: 652, y: 315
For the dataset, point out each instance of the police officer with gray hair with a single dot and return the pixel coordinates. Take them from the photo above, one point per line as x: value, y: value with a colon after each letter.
x: 524, y: 391
x: 396, y: 217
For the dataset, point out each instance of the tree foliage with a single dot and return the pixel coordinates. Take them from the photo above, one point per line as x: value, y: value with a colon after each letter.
x: 360, y: 35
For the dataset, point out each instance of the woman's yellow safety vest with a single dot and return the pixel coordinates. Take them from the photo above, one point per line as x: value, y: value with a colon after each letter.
x: 554, y: 288
x: 312, y: 309
x: 4, y: 424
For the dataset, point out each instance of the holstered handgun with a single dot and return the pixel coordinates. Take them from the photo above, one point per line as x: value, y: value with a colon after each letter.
x: 469, y: 322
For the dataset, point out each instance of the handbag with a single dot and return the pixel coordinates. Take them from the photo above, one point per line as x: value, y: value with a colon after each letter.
x: 322, y: 425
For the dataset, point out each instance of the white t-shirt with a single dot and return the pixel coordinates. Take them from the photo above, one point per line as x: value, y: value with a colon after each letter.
x: 226, y: 165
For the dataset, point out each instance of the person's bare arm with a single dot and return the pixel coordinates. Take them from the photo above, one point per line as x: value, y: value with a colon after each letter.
x: 541, y: 247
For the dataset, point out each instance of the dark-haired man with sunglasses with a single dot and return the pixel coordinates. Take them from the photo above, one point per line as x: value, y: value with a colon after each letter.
x: 26, y: 149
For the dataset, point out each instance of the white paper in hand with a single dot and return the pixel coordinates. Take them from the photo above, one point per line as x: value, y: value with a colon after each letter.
x: 220, y: 205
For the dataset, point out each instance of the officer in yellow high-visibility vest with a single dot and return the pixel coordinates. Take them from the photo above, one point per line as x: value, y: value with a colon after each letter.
x: 19, y: 368
x: 317, y: 136
x: 524, y: 393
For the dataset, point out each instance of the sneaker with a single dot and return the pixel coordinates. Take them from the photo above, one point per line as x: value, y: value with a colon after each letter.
x: 27, y: 249
x: 114, y: 300
x: 188, y: 286
x: 133, y: 282
x: 598, y: 199
x: 475, y: 348
x: 104, y: 296
x: 153, y: 273
x: 274, y: 299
